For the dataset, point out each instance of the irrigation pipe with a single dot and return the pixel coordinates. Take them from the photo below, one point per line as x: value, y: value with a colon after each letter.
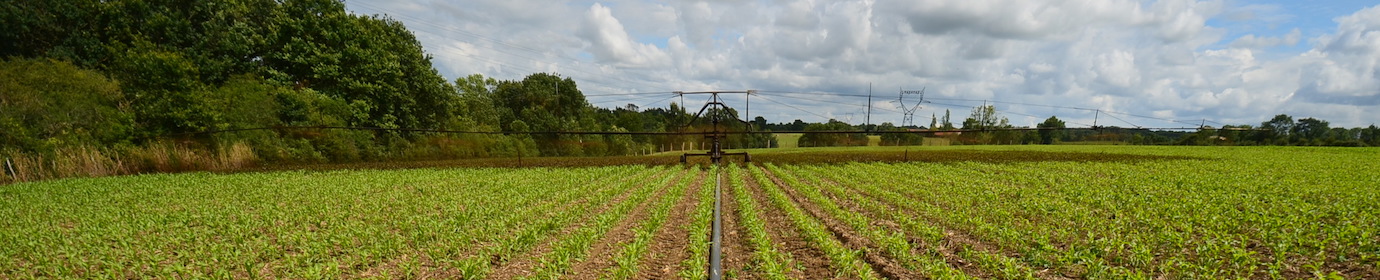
x: 715, y: 267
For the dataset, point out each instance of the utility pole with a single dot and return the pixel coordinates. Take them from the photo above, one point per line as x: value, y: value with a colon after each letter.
x: 747, y: 115
x: 1096, y: 113
x: 867, y: 121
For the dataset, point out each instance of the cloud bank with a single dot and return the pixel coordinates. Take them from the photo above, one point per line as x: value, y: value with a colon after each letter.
x: 1170, y: 59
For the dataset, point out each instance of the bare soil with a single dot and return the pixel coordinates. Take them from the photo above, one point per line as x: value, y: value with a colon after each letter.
x: 954, y: 241
x: 813, y: 262
x: 600, y: 257
x: 671, y: 244
x: 524, y: 264
x: 885, y: 266
x: 736, y: 249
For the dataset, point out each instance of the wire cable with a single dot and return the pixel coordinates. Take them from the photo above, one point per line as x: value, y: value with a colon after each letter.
x: 797, y: 108
x: 657, y: 101
x: 1119, y: 119
x: 437, y: 27
x: 630, y: 93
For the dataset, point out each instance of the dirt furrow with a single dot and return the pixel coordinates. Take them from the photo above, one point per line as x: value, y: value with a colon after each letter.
x: 883, y: 265
x: 813, y: 261
x: 540, y: 217
x: 524, y: 264
x: 601, y: 254
x: 671, y: 243
x: 954, y: 242
x: 736, y: 248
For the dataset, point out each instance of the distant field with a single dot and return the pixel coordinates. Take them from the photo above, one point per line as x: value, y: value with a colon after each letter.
x: 792, y: 140
x: 1010, y: 212
x: 788, y: 140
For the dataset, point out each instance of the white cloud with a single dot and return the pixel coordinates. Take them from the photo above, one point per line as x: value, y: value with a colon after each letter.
x: 610, y: 43
x: 1152, y: 58
x: 1342, y: 68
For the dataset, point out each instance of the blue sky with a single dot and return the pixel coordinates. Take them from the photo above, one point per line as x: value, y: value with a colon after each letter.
x: 1279, y: 18
x: 1233, y: 62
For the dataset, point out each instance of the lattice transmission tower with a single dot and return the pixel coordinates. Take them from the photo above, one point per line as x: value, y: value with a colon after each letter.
x: 909, y: 112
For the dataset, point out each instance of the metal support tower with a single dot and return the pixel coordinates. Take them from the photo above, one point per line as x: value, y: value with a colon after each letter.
x: 716, y: 152
x: 909, y: 113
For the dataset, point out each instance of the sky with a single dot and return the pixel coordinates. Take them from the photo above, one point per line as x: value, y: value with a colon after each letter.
x: 1153, y: 64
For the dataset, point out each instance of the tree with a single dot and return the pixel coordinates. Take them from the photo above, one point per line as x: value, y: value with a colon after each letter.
x: 933, y: 121
x: 945, y: 123
x: 1308, y: 131
x: 548, y: 102
x: 373, y: 59
x: 1277, y: 129
x: 165, y: 93
x: 899, y: 139
x: 831, y: 139
x: 523, y: 144
x: 798, y: 125
x: 984, y: 117
x: 1371, y: 135
x: 987, y: 118
x: 1051, y: 130
x: 476, y: 102
x: 46, y: 104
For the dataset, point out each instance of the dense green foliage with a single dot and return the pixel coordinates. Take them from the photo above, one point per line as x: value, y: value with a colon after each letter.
x: 48, y: 104
x: 108, y: 74
x: 1050, y: 132
x: 177, y: 67
x: 825, y: 140
x: 115, y: 79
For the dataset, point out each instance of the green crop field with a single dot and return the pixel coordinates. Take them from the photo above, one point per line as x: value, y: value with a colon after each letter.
x: 1007, y: 212
x: 788, y: 140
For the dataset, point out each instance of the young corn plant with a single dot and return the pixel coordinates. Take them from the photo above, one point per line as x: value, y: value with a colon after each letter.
x: 846, y: 261
x: 771, y: 263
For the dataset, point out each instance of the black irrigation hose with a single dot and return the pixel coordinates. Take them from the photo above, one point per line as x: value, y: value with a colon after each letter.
x: 715, y: 253
x: 684, y: 132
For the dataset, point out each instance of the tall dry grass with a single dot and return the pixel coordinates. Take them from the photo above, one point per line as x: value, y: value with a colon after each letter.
x: 92, y: 162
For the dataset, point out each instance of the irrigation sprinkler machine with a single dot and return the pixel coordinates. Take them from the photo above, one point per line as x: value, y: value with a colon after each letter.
x: 717, y: 133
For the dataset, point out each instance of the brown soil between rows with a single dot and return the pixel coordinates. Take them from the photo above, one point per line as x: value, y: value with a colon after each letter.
x: 949, y: 249
x: 600, y: 257
x: 736, y: 250
x: 540, y: 216
x: 881, y: 264
x: 430, y: 269
x: 954, y: 241
x: 671, y: 244
x: 523, y: 264
x: 790, y: 239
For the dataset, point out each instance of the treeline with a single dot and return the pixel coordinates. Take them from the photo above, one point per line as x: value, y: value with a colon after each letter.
x: 96, y: 87
x: 144, y: 71
x: 986, y: 126
x: 1284, y: 130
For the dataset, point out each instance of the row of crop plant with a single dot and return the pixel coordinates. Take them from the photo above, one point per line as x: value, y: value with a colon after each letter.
x: 1137, y: 220
x: 397, y: 223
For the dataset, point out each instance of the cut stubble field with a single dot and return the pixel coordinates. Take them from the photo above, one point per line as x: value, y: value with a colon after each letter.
x: 1006, y: 212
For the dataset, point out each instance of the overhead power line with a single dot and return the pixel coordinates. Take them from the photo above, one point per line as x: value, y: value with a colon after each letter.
x: 437, y: 29
x: 630, y: 93
x: 1194, y: 122
x: 794, y: 107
